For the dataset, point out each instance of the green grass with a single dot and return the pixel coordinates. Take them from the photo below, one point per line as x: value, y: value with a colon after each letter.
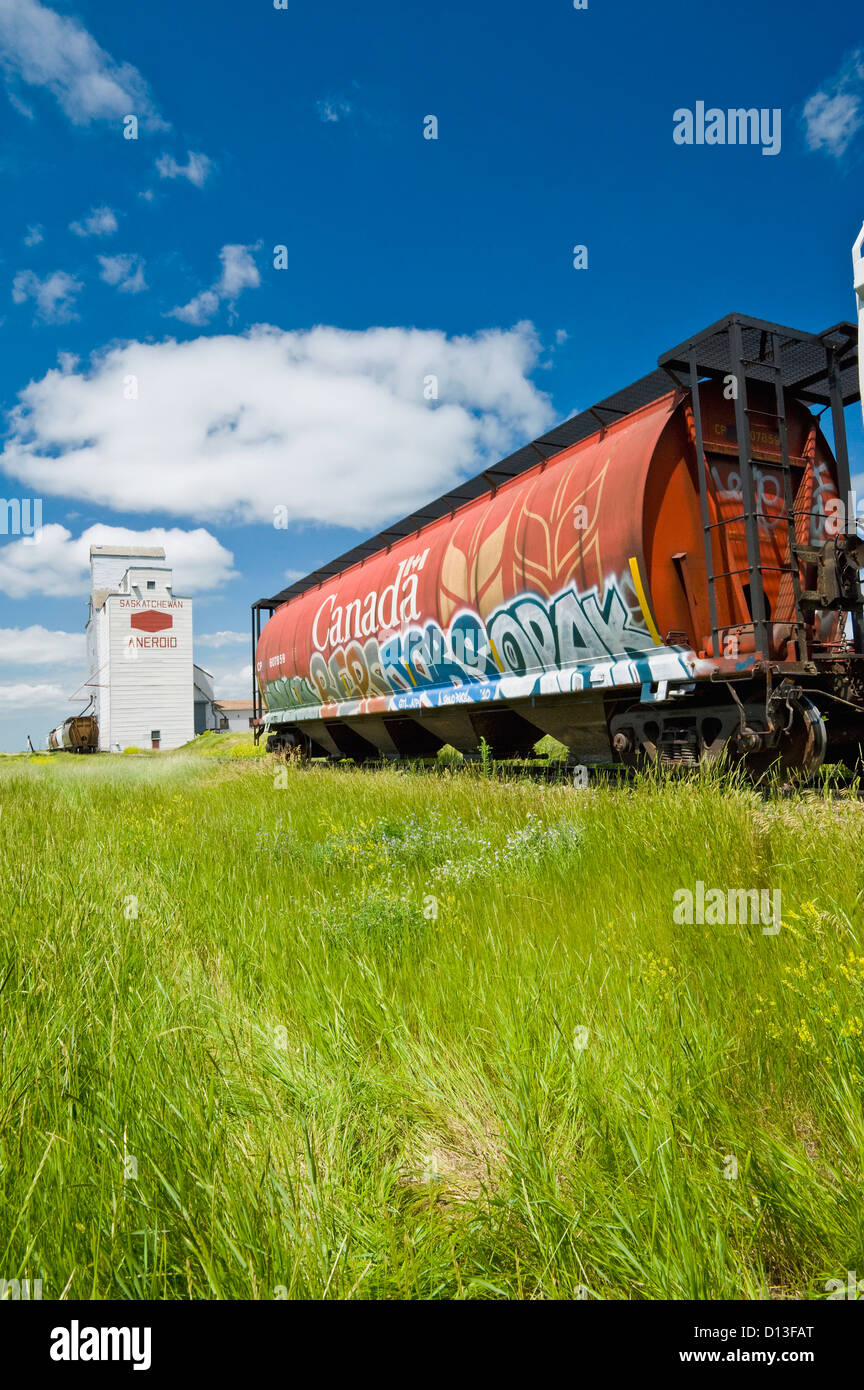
x: 326, y: 1033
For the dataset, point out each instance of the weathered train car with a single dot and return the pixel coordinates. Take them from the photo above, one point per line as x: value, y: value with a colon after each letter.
x: 78, y: 734
x: 670, y: 574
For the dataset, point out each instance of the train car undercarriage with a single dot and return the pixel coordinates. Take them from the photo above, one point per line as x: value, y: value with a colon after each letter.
x: 791, y: 723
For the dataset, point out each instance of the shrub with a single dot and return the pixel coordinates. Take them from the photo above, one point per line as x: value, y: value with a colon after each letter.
x: 378, y: 923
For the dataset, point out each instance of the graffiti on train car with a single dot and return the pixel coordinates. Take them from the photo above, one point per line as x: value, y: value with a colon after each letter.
x: 528, y: 635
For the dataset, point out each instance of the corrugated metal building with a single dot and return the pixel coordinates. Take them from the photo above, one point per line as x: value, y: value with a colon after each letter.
x: 139, y: 643
x: 204, y: 696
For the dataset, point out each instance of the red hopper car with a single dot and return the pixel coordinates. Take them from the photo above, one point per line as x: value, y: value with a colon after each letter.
x: 671, y: 574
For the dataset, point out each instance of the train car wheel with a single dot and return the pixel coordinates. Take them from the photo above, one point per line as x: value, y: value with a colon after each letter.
x: 801, y: 740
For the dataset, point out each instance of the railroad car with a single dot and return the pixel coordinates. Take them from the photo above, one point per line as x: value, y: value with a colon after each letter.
x: 78, y: 734
x: 671, y: 575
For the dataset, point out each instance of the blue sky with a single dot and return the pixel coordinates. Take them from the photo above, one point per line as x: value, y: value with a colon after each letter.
x: 303, y: 388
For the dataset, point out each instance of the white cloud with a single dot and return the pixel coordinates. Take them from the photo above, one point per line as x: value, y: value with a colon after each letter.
x: 126, y: 272
x: 59, y: 565
x: 332, y: 425
x: 45, y: 49
x: 36, y: 646
x: 223, y: 639
x: 23, y: 696
x: 196, y: 169
x: 199, y: 310
x: 239, y: 272
x: 102, y: 221
x: 333, y: 109
x: 20, y: 106
x: 232, y: 682
x: 835, y: 114
x: 832, y: 121
x: 34, y: 235
x: 53, y: 295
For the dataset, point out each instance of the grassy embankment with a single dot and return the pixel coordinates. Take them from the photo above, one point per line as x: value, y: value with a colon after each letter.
x: 242, y: 1057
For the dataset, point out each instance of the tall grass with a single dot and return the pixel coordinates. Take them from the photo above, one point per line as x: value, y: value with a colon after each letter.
x: 322, y: 1033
